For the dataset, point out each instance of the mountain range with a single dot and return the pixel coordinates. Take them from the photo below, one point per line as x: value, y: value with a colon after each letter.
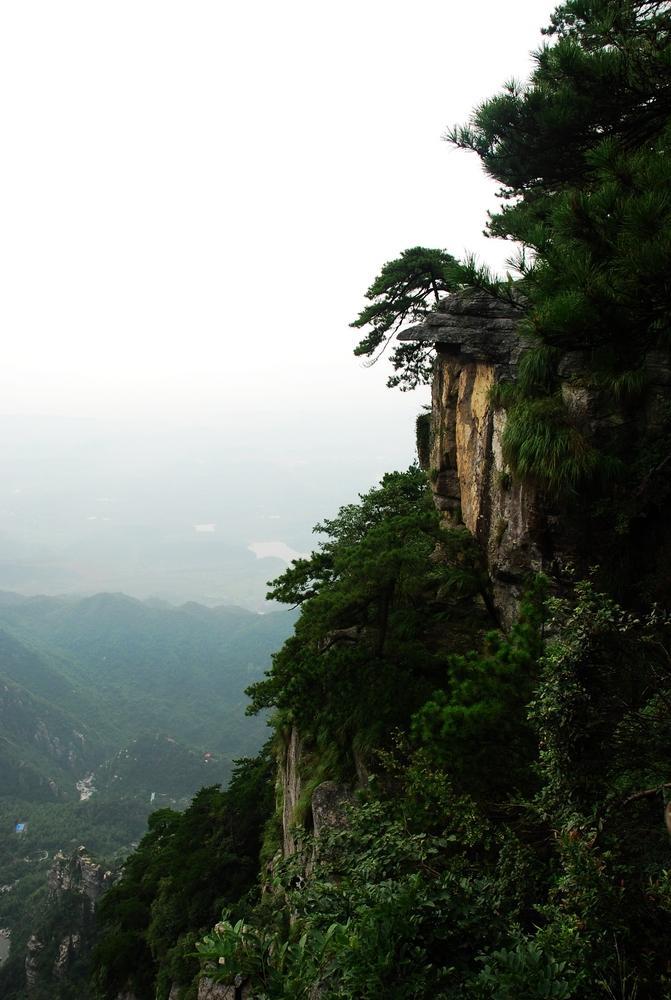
x: 82, y: 680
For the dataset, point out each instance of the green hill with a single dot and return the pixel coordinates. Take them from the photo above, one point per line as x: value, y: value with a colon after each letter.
x: 111, y: 708
x: 124, y: 668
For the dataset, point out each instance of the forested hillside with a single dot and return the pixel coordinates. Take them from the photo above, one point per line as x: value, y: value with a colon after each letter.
x: 471, y: 726
x: 111, y: 708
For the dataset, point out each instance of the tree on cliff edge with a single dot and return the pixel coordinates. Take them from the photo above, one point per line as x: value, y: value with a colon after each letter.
x: 405, y: 290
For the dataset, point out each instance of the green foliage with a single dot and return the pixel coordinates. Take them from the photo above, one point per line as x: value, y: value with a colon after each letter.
x: 405, y: 290
x: 365, y: 653
x: 512, y: 845
x: 423, y: 438
x: 173, y: 886
x: 392, y: 907
x: 476, y: 725
x: 542, y: 444
x: 115, y: 669
x: 458, y: 877
x: 537, y: 370
x: 606, y: 74
x: 524, y: 972
x: 111, y: 687
x: 603, y: 737
x: 582, y: 152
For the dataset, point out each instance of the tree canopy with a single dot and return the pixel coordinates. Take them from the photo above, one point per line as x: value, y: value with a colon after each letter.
x: 371, y: 597
x: 404, y: 291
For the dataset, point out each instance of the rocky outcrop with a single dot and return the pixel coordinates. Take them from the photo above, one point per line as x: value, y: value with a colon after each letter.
x: 290, y: 787
x: 327, y: 805
x: 520, y: 530
x: 5, y: 943
x: 478, y: 346
x: 33, y: 950
x: 68, y: 949
x: 77, y: 873
x: 67, y: 750
x: 208, y: 989
x: 75, y: 884
x: 329, y: 802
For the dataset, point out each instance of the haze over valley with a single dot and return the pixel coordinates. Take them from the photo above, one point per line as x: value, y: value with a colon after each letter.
x: 181, y: 513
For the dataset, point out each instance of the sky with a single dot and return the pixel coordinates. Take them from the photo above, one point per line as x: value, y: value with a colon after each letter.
x: 195, y: 197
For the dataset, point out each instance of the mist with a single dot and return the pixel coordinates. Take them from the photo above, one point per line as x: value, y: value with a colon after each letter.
x: 196, y: 200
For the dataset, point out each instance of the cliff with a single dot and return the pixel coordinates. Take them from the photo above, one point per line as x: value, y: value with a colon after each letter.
x: 56, y: 954
x: 78, y: 874
x: 519, y: 527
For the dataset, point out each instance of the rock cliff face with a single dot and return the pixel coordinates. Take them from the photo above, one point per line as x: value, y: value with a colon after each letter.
x: 79, y: 874
x: 209, y: 990
x: 290, y: 786
x: 521, y: 530
x: 477, y: 347
x: 75, y: 884
x: 34, y: 949
x: 327, y: 801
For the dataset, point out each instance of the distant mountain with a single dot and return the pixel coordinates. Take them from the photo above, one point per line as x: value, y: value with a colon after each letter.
x: 46, y: 741
x: 123, y: 668
x: 111, y: 707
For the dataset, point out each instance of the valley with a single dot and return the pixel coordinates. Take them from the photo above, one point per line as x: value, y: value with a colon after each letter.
x: 111, y: 708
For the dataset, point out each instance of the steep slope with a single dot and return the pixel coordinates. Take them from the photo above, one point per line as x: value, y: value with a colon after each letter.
x: 44, y: 749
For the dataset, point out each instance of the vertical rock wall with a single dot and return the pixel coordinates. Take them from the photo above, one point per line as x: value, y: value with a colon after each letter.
x: 521, y: 530
x: 478, y: 346
x: 471, y: 482
x: 289, y: 776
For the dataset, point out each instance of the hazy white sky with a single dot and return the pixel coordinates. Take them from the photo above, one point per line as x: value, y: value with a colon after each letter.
x: 196, y: 195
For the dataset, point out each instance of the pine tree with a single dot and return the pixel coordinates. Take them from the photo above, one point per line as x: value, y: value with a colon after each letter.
x: 405, y: 290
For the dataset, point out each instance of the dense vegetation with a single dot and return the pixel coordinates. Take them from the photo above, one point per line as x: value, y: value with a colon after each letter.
x: 123, y: 667
x: 174, y: 885
x: 373, y: 603
x: 510, y: 841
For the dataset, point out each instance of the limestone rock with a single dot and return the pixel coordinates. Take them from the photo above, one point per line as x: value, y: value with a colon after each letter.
x: 290, y: 787
x: 208, y: 989
x: 33, y: 950
x: 521, y: 530
x: 67, y: 950
x: 328, y: 806
x: 471, y: 482
x: 78, y: 873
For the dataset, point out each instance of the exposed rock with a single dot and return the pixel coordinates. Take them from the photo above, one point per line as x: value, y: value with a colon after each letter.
x: 478, y: 346
x: 474, y: 326
x: 290, y: 789
x: 33, y: 950
x: 210, y: 990
x: 78, y: 873
x: 74, y: 884
x: 5, y: 943
x: 328, y: 806
x: 67, y: 950
x: 67, y: 754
